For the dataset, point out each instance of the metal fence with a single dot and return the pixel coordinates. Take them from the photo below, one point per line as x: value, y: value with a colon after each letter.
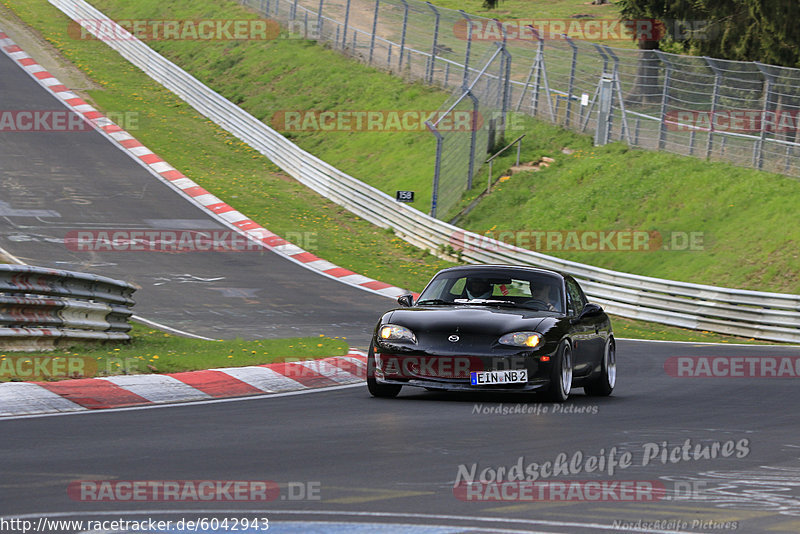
x: 744, y: 113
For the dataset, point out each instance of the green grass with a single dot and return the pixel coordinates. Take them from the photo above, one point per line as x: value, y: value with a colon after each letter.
x: 281, y: 74
x: 153, y: 351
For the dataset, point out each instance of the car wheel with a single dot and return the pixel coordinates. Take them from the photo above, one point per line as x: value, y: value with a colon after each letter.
x: 604, y: 384
x: 561, y: 374
x: 387, y: 391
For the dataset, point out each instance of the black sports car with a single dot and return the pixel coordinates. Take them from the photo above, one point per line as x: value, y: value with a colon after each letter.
x: 494, y: 328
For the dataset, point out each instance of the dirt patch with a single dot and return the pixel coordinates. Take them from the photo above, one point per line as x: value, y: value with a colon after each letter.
x: 45, y: 53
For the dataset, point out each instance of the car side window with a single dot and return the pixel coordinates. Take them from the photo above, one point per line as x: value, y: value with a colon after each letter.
x: 575, y: 298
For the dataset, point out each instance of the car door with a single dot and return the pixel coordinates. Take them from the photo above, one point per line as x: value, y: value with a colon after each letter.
x: 585, y: 331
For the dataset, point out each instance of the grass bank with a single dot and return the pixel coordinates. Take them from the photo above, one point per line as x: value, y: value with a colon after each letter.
x: 153, y: 351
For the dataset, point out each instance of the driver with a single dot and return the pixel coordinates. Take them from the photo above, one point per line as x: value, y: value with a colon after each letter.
x: 542, y: 293
x: 478, y: 288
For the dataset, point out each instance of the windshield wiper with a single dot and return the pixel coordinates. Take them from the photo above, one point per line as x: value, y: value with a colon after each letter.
x: 432, y: 301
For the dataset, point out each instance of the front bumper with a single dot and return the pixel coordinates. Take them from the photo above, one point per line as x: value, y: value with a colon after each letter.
x: 451, y: 372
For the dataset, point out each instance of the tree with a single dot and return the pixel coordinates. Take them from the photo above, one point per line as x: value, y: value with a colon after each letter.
x: 490, y: 4
x: 746, y: 30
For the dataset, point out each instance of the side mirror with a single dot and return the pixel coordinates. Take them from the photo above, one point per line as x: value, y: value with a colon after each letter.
x: 405, y: 301
x: 591, y: 310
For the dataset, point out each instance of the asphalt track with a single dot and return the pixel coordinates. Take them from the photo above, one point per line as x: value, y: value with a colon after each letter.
x: 52, y: 183
x: 397, y: 458
x: 367, y: 462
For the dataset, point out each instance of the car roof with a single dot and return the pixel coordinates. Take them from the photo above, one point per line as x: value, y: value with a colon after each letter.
x: 496, y: 267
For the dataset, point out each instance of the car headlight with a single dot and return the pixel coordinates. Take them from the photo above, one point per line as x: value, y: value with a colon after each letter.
x: 522, y: 339
x: 393, y: 332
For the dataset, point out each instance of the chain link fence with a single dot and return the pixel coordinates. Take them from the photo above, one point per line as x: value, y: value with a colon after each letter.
x: 745, y: 113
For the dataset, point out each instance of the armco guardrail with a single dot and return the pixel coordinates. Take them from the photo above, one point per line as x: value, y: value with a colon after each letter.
x: 770, y: 316
x: 43, y: 308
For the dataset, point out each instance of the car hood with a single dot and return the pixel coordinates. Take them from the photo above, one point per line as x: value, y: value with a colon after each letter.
x: 471, y: 320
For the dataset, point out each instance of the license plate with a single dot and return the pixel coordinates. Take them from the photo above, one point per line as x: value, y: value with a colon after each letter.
x: 483, y: 378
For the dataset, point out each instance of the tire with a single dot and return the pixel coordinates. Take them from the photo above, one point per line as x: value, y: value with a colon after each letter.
x: 604, y: 384
x: 385, y: 391
x: 561, y: 374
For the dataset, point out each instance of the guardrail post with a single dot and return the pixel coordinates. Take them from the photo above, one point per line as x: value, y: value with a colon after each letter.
x: 403, y: 35
x: 465, y: 82
x: 346, y: 22
x: 437, y: 167
x: 374, y: 30
x: 435, y: 42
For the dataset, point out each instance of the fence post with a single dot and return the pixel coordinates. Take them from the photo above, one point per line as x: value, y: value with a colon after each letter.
x: 602, y: 52
x: 503, y: 79
x: 769, y: 81
x: 571, y: 85
x: 473, y: 138
x: 435, y: 42
x: 403, y: 35
x: 293, y: 14
x: 346, y: 21
x: 606, y: 95
x: 534, y: 68
x: 714, y: 103
x: 625, y: 130
x: 662, y: 134
x: 465, y: 83
x: 319, y: 19
x: 374, y: 30
x: 437, y: 167
x: 507, y: 86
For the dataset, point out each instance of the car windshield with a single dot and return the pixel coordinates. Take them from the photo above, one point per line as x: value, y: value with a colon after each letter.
x: 530, y: 290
